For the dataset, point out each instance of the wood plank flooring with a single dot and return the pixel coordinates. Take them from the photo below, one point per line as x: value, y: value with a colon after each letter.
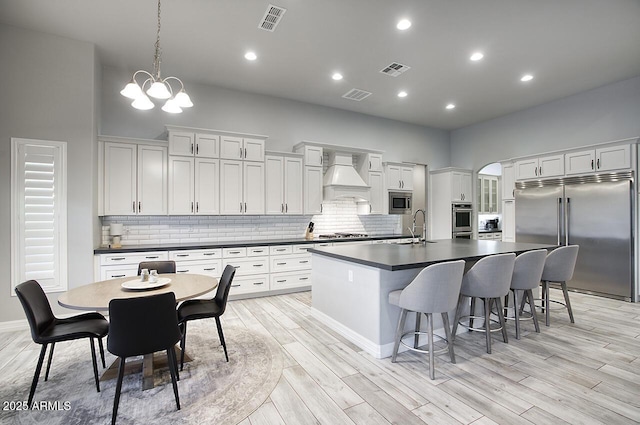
x: 582, y: 373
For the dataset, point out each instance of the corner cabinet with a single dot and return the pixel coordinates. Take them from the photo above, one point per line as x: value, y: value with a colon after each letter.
x: 135, y: 179
x: 283, y: 176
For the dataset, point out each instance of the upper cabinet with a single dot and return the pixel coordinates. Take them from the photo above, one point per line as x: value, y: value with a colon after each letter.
x: 508, y: 180
x: 193, y: 186
x: 283, y: 176
x: 135, y: 179
x: 461, y: 186
x: 399, y: 176
x: 312, y: 155
x: 601, y: 159
x: 202, y: 145
x: 244, y: 148
x: 487, y: 194
x: 540, y: 167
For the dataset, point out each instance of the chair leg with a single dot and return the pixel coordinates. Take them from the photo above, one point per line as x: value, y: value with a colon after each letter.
x: 46, y: 373
x: 399, y: 329
x: 506, y: 304
x: 176, y: 363
x: 566, y: 300
x: 472, y: 311
x: 516, y: 312
x: 447, y: 334
x: 183, y: 343
x: 94, y: 363
x: 545, y: 289
x: 173, y: 366
x: 487, y: 323
x: 432, y: 373
x: 36, y: 375
x: 532, y: 307
x: 221, y: 335
x: 456, y: 318
x: 416, y: 337
x: 116, y: 398
x: 503, y: 323
x: 104, y: 365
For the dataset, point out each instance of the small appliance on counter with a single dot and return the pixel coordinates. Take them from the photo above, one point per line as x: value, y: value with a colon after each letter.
x: 309, y: 233
x: 491, y: 224
x: 115, y: 231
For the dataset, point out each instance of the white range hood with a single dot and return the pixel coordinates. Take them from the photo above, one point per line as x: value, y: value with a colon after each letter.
x: 342, y: 180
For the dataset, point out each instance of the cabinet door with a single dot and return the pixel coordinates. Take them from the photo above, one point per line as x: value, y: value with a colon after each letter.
x: 613, y: 158
x: 375, y: 162
x: 508, y: 181
x: 231, y: 147
x: 312, y: 190
x: 509, y: 221
x: 526, y: 169
x: 274, y: 179
x: 376, y: 181
x: 253, y: 187
x: 394, y: 177
x: 181, y: 143
x: 231, y: 201
x: 466, y: 187
x: 313, y: 156
x: 293, y: 185
x: 406, y: 176
x: 551, y: 166
x: 253, y: 150
x: 493, y: 195
x: 207, y: 186
x: 580, y: 162
x: 181, y: 180
x: 207, y: 146
x: 152, y: 180
x: 120, y: 179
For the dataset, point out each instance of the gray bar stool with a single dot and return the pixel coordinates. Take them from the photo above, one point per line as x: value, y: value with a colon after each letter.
x: 527, y: 273
x: 434, y: 290
x: 559, y: 268
x: 488, y: 279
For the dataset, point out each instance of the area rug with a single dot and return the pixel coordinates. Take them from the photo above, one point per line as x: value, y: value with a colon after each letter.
x: 211, y: 390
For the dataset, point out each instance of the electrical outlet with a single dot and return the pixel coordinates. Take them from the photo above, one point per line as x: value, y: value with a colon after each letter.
x: 350, y: 277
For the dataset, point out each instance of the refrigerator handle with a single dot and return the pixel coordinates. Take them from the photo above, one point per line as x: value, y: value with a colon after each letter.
x: 559, y: 218
x: 566, y: 222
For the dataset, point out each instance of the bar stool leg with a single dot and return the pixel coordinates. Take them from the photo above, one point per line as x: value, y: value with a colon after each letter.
x: 396, y: 344
x: 545, y: 286
x: 432, y: 373
x: 447, y: 334
x: 416, y: 337
x: 532, y: 307
x: 516, y: 312
x: 487, y: 323
x: 503, y: 323
x: 472, y: 312
x: 565, y: 292
x: 456, y: 318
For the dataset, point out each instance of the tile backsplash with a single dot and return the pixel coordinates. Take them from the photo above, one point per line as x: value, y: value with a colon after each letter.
x: 338, y: 216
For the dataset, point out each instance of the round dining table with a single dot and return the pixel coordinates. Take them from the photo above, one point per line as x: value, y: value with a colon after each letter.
x: 96, y: 297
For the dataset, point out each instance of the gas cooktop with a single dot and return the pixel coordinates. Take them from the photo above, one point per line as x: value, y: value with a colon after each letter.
x: 341, y: 235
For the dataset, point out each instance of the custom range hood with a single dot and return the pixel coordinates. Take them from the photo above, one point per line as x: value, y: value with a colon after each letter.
x: 342, y: 180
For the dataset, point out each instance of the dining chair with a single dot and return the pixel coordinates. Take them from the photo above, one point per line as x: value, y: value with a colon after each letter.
x: 434, y: 290
x: 168, y: 266
x: 140, y: 326
x: 47, y: 329
x: 203, y: 309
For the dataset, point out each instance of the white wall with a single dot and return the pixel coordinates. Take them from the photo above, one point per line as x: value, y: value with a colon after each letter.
x: 48, y: 92
x: 607, y: 113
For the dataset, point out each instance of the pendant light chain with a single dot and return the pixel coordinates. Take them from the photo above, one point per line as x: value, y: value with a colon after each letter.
x: 158, y: 54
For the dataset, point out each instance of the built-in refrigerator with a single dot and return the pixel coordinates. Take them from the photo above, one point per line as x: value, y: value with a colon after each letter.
x: 594, y: 212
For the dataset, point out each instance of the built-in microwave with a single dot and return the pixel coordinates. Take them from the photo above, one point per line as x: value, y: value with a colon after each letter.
x: 400, y: 202
x: 461, y: 218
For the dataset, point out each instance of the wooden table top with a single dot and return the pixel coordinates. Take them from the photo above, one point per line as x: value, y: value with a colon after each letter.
x: 96, y: 296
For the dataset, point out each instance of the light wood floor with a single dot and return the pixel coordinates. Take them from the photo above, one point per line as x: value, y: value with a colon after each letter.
x: 585, y: 373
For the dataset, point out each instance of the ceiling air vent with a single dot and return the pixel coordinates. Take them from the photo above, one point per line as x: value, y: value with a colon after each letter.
x: 271, y: 18
x: 356, y: 94
x: 394, y: 69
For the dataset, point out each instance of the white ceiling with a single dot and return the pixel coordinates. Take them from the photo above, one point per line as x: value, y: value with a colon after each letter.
x: 568, y: 45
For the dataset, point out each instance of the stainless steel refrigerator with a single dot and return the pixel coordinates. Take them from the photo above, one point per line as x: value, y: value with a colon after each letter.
x: 595, y: 212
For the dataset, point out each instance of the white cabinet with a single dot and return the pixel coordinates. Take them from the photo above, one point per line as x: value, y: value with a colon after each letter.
x: 135, y: 179
x: 370, y: 162
x: 540, y: 167
x: 194, y: 186
x: 399, y: 176
x: 244, y: 148
x: 111, y: 266
x: 312, y: 194
x: 601, y: 159
x: 461, y: 186
x: 186, y: 143
x: 487, y: 194
x: 252, y: 272
x: 509, y: 220
x: 290, y: 266
x: 447, y: 185
x: 370, y: 168
x: 312, y: 155
x: 508, y: 181
x: 284, y: 177
x: 375, y: 180
x: 242, y: 187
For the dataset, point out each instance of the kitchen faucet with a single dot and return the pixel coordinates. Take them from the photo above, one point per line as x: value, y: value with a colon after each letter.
x: 424, y: 226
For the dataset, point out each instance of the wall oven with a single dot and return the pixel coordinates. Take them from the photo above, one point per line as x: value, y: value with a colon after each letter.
x: 461, y: 219
x: 400, y: 202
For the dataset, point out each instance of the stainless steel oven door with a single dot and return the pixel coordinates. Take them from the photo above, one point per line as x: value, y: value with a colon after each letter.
x: 461, y: 218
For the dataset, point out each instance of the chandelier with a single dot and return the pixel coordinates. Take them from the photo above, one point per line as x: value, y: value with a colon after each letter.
x: 156, y: 86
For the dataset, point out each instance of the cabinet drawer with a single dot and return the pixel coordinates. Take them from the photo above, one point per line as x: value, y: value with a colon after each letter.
x: 322, y: 244
x: 248, y: 266
x: 302, y: 249
x: 234, y: 252
x: 205, y: 267
x: 249, y: 284
x: 107, y: 273
x: 257, y: 251
x: 280, y: 249
x: 290, y: 280
x: 290, y: 262
x: 195, y: 254
x: 132, y: 258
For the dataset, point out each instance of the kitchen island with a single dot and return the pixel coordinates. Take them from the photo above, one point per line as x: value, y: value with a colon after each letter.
x: 351, y: 284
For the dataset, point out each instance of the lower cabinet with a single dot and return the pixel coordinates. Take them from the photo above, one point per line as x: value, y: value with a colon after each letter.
x: 112, y: 266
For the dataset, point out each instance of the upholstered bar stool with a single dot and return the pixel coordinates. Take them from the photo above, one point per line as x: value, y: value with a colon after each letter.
x: 527, y: 273
x: 490, y: 280
x: 434, y: 290
x: 558, y: 268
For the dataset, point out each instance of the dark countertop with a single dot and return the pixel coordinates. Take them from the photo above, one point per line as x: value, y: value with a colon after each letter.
x: 400, y: 257
x: 233, y: 244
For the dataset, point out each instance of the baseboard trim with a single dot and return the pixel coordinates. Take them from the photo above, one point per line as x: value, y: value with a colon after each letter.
x: 14, y: 325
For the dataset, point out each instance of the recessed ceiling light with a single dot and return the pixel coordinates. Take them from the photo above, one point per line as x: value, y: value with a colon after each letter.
x: 476, y: 56
x: 526, y: 77
x: 403, y: 24
x: 402, y: 94
x: 337, y: 76
x: 450, y: 106
x: 250, y: 56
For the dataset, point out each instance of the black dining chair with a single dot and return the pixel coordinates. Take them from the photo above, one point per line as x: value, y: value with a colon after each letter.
x: 203, y: 309
x: 167, y: 266
x: 48, y: 329
x: 140, y: 326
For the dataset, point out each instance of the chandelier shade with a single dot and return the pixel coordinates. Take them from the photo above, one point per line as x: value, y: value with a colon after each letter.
x: 157, y: 87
